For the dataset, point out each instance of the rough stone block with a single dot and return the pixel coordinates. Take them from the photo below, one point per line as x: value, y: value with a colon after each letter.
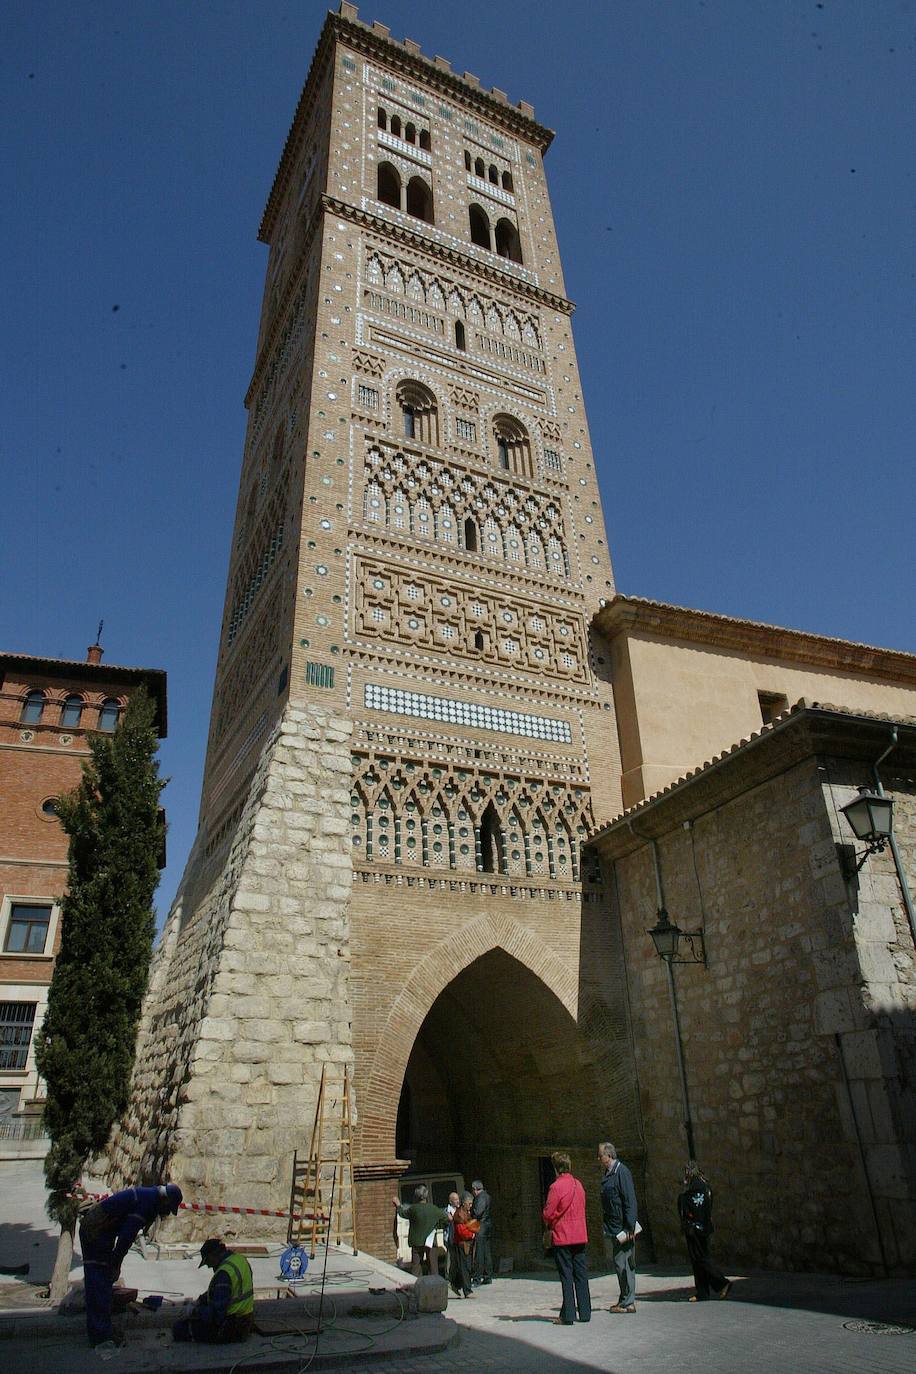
x: 429, y: 1293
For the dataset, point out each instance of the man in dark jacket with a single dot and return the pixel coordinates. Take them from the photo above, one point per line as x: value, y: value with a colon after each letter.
x: 618, y: 1209
x: 482, y: 1211
x: 424, y: 1219
x: 107, y: 1231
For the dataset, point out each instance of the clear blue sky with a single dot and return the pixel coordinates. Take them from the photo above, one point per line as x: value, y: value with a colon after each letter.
x: 734, y: 184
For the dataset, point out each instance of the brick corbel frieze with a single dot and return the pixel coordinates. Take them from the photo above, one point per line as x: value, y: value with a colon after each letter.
x: 408, y: 238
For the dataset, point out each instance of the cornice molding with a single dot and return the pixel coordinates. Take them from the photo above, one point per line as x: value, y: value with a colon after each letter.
x: 392, y: 233
x: 657, y: 619
x: 363, y: 39
x: 464, y: 261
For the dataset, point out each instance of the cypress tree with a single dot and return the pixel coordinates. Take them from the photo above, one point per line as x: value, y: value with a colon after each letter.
x: 85, y: 1048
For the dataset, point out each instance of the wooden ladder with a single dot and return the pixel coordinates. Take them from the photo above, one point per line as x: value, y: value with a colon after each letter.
x: 322, y: 1202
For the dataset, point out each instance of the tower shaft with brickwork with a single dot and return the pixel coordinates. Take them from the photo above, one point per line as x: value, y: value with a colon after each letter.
x: 411, y: 732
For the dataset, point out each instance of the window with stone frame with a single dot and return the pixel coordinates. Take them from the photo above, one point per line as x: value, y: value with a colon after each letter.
x: 28, y: 925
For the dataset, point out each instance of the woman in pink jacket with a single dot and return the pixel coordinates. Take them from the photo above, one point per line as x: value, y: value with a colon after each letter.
x: 564, y: 1214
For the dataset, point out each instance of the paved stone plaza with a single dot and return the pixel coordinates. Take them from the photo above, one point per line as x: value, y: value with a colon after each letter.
x: 773, y: 1322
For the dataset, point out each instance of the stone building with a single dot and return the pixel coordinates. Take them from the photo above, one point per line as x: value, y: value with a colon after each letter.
x: 799, y: 1034
x: 423, y: 676
x: 48, y: 707
x: 410, y: 733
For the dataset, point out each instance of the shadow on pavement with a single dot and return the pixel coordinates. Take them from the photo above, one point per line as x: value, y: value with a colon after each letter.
x: 21, y: 1243
x: 879, y: 1300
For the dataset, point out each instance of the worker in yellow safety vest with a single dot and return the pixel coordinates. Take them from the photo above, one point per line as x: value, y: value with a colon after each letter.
x: 226, y: 1311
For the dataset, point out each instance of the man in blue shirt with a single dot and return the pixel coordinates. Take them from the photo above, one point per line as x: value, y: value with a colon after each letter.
x: 618, y: 1209
x: 107, y: 1231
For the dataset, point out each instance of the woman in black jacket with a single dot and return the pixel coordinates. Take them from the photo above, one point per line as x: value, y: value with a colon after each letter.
x: 694, y: 1206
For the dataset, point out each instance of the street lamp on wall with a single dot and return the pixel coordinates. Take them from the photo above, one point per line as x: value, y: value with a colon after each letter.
x: 671, y: 942
x: 871, y: 819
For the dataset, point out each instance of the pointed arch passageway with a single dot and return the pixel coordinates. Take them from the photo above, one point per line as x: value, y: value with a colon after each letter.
x: 490, y: 1074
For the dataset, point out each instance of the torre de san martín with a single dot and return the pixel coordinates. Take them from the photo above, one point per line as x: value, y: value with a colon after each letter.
x: 428, y: 697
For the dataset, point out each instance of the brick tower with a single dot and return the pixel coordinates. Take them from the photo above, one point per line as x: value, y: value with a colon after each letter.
x: 411, y: 731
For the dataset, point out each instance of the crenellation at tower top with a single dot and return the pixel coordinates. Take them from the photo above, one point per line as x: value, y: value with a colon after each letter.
x: 374, y: 40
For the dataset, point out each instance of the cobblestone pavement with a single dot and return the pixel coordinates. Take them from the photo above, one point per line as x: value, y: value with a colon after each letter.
x: 778, y: 1323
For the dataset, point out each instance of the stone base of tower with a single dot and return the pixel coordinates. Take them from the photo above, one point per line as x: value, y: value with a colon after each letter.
x: 249, y: 994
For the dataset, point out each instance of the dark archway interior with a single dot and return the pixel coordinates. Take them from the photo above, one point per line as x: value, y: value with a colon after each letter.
x: 499, y: 1075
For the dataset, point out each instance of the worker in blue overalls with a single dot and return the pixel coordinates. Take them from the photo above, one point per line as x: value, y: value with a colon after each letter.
x: 107, y: 1231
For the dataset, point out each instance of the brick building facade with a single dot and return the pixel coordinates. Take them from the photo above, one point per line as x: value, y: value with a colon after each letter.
x: 423, y: 686
x: 411, y: 731
x: 48, y: 707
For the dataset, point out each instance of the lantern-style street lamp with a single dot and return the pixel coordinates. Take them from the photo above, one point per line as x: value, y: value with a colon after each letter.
x: 871, y: 819
x: 670, y: 940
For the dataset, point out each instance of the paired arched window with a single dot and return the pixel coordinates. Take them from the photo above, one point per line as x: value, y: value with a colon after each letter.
x: 416, y: 198
x: 424, y: 140
x: 382, y: 118
x: 493, y: 174
x: 513, y: 446
x: 479, y: 168
x: 480, y: 226
x: 389, y: 185
x: 32, y: 708
x: 410, y: 133
x: 72, y: 712
x: 420, y: 199
x: 508, y: 243
x: 419, y: 411
x: 468, y: 164
x: 396, y: 126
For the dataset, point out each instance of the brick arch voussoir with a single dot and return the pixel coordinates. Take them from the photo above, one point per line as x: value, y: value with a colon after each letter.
x: 378, y: 1109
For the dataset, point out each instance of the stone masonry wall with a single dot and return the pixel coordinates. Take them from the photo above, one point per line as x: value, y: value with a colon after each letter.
x: 250, y: 990
x: 875, y: 1017
x: 799, y: 1036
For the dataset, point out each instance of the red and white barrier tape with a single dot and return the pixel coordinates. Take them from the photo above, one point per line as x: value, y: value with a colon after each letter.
x: 211, y: 1207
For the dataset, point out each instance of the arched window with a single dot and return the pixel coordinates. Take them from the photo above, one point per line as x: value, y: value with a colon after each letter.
x: 425, y: 141
x: 72, y: 712
x: 382, y: 118
x: 479, y: 169
x: 470, y: 537
x: 460, y: 341
x: 480, y: 226
x: 513, y: 447
x: 109, y: 712
x: 396, y: 126
x: 389, y: 185
x: 507, y: 181
x: 420, y: 199
x: 478, y: 639
x: 420, y: 412
x: 491, y: 841
x: 467, y: 161
x: 32, y: 708
x: 493, y: 174
x: 508, y: 244
x: 410, y: 133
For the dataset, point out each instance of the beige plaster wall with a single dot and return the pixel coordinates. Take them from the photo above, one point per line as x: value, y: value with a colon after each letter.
x: 680, y: 704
